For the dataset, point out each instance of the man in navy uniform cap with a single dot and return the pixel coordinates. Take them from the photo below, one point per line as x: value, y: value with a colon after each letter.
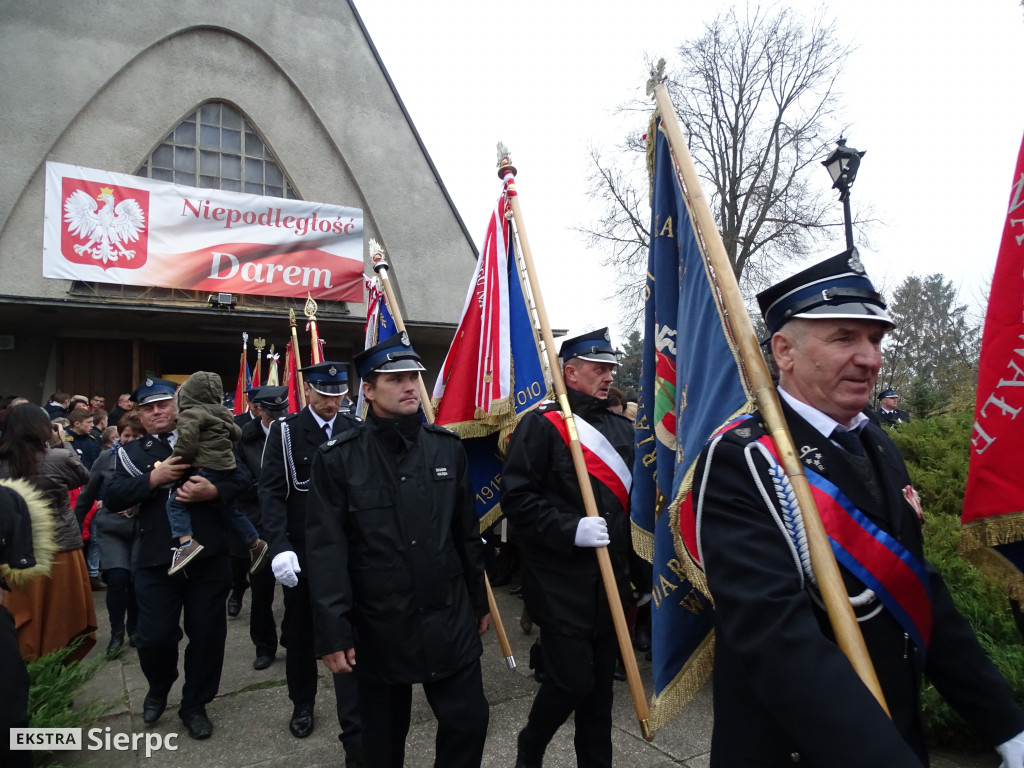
x: 889, y: 414
x: 783, y: 690
x: 271, y: 403
x: 143, y: 472
x: 562, y: 582
x: 242, y: 419
x: 284, y: 482
x: 396, y: 566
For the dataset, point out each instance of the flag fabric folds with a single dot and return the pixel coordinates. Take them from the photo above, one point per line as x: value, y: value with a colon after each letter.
x: 493, y: 372
x: 380, y: 326
x: 993, y: 514
x: 241, y: 401
x: 291, y: 380
x: 692, y: 384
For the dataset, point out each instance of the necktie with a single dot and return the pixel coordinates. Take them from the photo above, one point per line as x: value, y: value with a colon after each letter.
x: 849, y: 441
x: 327, y: 431
x: 165, y: 437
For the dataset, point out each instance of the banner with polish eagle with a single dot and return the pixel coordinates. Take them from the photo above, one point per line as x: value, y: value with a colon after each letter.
x: 494, y: 371
x: 107, y: 227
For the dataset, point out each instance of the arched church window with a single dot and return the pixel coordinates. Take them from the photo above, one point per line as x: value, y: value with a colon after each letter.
x: 216, y: 148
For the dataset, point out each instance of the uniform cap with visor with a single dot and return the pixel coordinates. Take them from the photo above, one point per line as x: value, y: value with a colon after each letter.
x: 329, y: 378
x: 271, y: 398
x: 890, y: 392
x: 392, y: 354
x: 834, y: 289
x: 595, y: 346
x: 153, y: 390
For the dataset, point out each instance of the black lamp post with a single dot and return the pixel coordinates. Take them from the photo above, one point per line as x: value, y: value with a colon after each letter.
x: 842, y: 166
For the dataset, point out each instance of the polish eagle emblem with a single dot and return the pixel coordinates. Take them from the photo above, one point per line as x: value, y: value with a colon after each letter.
x: 108, y: 228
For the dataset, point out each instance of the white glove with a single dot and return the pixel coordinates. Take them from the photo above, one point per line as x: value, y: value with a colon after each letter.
x: 286, y: 568
x: 592, y: 532
x: 1012, y: 752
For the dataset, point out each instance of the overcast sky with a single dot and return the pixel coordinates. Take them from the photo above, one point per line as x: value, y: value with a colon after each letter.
x: 931, y: 93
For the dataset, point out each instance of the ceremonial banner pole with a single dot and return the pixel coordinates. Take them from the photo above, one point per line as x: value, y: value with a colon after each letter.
x: 636, y: 687
x: 296, y: 358
x: 259, y: 345
x: 833, y: 592
x: 314, y: 336
x: 381, y: 267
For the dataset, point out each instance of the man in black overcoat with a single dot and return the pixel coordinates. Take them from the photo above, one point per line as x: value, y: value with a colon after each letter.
x: 396, y: 567
x: 270, y: 403
x: 562, y: 582
x: 283, y: 490
x: 143, y: 474
x: 783, y: 691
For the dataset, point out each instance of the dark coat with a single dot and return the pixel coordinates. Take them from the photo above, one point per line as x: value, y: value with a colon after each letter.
x: 283, y: 493
x: 129, y: 485
x: 781, y: 684
x: 58, y: 472
x: 395, y: 560
x: 892, y: 418
x: 86, y: 446
x: 541, y: 497
x: 249, y: 451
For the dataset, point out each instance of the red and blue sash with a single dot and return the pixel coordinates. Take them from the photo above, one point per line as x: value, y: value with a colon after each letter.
x: 896, y: 576
x: 603, y: 462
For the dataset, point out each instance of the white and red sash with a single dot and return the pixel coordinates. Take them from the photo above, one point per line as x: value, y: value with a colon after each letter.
x: 604, y: 463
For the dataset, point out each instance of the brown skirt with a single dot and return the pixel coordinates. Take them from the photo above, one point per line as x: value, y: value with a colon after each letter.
x: 50, y: 612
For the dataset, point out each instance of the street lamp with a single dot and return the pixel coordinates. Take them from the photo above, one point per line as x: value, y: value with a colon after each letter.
x: 842, y: 166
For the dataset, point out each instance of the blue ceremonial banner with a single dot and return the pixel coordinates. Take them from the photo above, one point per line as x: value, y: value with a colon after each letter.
x: 691, y: 385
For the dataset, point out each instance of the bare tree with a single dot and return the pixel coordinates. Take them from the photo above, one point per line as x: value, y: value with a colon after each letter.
x: 756, y: 92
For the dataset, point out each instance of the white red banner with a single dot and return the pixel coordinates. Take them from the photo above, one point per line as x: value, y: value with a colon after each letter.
x: 114, y: 228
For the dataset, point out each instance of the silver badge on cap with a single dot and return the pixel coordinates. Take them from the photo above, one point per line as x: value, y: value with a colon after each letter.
x: 405, y: 339
x: 606, y: 336
x: 333, y: 371
x: 854, y: 262
x: 149, y: 382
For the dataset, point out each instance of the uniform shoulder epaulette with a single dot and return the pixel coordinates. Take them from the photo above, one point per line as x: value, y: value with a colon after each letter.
x: 547, y: 405
x: 442, y: 430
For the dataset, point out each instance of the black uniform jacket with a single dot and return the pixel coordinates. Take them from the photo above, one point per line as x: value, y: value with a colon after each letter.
x: 782, y: 687
x: 893, y: 418
x: 284, y: 478
x: 129, y: 485
x: 249, y: 451
x: 395, y: 559
x: 541, y: 497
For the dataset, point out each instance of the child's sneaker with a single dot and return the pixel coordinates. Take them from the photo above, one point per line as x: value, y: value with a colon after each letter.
x: 183, y: 556
x: 258, y: 556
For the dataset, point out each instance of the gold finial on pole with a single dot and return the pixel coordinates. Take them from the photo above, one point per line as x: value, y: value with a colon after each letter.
x: 314, y: 337
x: 297, y: 360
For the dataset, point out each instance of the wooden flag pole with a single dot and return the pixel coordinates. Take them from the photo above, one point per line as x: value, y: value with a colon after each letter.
x: 296, y: 359
x: 636, y: 687
x: 830, y: 582
x: 381, y: 267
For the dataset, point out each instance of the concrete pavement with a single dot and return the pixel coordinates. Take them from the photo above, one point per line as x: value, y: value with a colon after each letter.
x: 251, y: 713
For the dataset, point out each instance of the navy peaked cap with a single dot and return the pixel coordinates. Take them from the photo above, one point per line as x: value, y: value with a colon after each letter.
x: 271, y: 398
x: 328, y: 378
x: 393, y: 354
x: 152, y: 389
x: 595, y: 346
x: 890, y: 392
x: 837, y: 288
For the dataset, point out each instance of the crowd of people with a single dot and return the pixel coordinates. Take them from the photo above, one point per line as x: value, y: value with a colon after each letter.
x: 369, y: 526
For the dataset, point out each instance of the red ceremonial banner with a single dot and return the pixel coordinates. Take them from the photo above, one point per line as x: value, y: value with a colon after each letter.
x: 993, y: 515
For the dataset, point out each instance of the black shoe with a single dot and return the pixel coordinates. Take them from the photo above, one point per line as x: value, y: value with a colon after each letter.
x: 642, y: 638
x: 152, y: 708
x: 301, y: 724
x: 115, y: 645
x: 198, y: 725
x: 234, y: 606
x: 517, y: 590
x: 131, y: 639
x: 264, y: 661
